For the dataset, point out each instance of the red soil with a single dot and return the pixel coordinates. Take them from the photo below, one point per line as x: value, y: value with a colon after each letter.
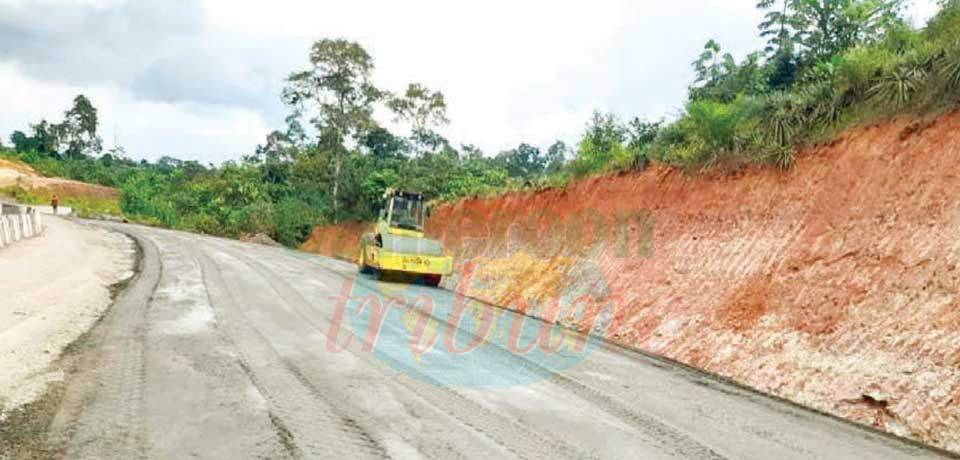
x: 341, y: 241
x: 834, y: 285
x: 13, y: 173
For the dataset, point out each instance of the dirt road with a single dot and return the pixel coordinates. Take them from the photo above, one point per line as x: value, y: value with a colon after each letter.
x: 221, y: 349
x: 53, y: 287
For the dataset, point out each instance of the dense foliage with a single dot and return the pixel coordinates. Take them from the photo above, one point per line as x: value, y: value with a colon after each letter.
x: 827, y: 64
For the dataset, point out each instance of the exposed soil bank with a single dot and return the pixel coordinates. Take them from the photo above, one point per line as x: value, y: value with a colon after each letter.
x: 19, y: 174
x: 834, y: 285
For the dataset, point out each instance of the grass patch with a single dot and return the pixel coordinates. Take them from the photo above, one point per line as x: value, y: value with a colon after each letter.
x: 83, y: 206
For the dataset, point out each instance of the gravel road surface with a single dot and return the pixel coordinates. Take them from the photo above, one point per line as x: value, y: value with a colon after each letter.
x: 222, y: 349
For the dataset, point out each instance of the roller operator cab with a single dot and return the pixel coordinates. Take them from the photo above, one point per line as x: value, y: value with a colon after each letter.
x: 398, y: 244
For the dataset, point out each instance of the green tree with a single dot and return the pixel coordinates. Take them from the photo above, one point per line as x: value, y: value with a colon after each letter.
x: 602, y: 145
x: 24, y: 143
x: 45, y: 139
x: 556, y: 157
x: 642, y: 133
x: 78, y: 132
x: 777, y: 28
x: 722, y: 79
x: 605, y: 131
x: 338, y: 90
x: 384, y: 145
x: 711, y: 65
x: 423, y: 109
x: 523, y: 162
x: 823, y: 28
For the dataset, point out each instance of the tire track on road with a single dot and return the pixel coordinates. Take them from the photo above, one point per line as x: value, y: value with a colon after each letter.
x: 111, y: 423
x: 672, y: 439
x: 316, y: 429
x: 513, y: 436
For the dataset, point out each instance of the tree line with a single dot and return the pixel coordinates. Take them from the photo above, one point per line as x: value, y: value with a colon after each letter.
x: 825, y: 65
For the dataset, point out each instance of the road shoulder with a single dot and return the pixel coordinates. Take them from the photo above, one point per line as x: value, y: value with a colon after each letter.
x: 54, y: 288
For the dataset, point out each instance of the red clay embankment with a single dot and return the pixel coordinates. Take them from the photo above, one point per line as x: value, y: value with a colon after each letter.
x: 14, y: 173
x: 834, y: 285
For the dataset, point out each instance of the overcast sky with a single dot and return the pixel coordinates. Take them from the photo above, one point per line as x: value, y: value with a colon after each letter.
x: 201, y: 79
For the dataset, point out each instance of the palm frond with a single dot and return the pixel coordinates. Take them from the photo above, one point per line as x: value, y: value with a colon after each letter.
x: 899, y: 85
x: 949, y: 66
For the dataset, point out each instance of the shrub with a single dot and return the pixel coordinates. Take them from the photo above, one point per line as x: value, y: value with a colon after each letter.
x: 258, y: 217
x: 295, y: 220
x: 592, y: 158
x: 898, y: 86
x: 198, y: 222
x: 949, y: 66
x: 944, y: 28
x: 782, y: 117
x: 713, y: 127
x: 858, y: 70
x: 83, y: 206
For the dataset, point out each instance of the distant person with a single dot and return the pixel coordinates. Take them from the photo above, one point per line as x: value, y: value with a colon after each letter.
x: 55, y: 204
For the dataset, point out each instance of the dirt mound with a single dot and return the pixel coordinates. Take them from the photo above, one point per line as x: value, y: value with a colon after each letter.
x: 834, y: 285
x: 13, y: 174
x: 65, y: 188
x: 259, y: 238
x: 8, y: 167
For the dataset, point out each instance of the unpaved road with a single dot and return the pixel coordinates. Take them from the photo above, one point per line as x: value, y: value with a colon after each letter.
x: 221, y: 349
x: 53, y: 287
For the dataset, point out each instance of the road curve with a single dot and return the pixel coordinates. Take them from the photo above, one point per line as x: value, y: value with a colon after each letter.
x: 220, y: 349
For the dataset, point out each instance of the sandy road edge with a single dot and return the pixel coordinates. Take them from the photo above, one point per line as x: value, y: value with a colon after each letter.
x: 26, y: 432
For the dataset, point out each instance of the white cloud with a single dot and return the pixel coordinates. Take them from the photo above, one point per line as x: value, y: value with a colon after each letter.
x: 204, y: 133
x: 203, y: 81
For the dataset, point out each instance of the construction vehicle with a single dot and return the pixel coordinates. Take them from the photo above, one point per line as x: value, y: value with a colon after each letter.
x: 397, y: 245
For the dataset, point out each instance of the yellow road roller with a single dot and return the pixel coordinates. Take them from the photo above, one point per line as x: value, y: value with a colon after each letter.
x: 398, y: 246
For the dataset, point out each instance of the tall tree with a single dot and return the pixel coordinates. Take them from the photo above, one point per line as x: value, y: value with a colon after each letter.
x: 642, y: 133
x: 523, y: 162
x: 605, y: 131
x: 423, y: 109
x: 22, y: 142
x: 78, y: 132
x: 556, y: 157
x: 338, y: 91
x: 778, y: 29
x: 45, y: 138
x: 823, y: 28
x: 711, y: 65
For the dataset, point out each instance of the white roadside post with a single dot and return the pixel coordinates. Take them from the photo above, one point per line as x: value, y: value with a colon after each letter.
x: 15, y: 223
x: 37, y: 222
x: 11, y: 228
x: 27, y: 230
x: 7, y: 229
x: 19, y: 223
